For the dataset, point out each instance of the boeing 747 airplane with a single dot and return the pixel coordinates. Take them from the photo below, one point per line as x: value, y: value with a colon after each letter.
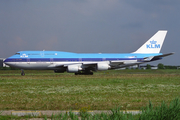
x: 85, y: 64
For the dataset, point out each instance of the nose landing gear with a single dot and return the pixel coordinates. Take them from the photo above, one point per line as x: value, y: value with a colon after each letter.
x: 22, y: 72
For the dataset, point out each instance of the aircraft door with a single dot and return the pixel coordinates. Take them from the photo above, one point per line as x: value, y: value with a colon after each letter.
x: 51, y: 60
x: 80, y: 59
x: 28, y: 61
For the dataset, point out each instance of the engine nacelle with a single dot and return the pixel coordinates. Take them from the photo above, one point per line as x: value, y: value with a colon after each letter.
x: 102, y: 66
x: 73, y: 68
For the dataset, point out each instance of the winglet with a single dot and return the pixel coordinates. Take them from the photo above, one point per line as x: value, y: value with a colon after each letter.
x: 154, y: 44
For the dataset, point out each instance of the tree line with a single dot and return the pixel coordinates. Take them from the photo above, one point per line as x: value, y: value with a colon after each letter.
x: 162, y: 66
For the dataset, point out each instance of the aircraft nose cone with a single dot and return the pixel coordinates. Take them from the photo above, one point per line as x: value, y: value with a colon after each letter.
x: 5, y: 61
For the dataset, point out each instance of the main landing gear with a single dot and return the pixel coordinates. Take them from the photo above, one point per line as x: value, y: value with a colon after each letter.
x: 84, y: 73
x: 22, y: 72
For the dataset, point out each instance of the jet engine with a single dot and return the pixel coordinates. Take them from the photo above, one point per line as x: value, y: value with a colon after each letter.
x: 102, y: 66
x: 73, y: 68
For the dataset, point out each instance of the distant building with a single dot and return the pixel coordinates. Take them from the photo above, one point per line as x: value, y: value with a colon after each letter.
x: 154, y: 67
x: 145, y: 67
x: 1, y: 63
x: 178, y: 67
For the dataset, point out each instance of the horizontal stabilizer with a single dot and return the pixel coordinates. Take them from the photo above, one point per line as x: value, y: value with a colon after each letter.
x: 147, y: 59
x: 164, y: 55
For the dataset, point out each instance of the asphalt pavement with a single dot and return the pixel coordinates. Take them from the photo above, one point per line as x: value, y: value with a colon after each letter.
x: 56, y: 112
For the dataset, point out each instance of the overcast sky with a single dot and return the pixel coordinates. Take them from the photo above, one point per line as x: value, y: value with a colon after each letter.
x: 88, y: 26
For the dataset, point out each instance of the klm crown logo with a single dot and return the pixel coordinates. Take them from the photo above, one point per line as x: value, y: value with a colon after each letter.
x: 153, y: 44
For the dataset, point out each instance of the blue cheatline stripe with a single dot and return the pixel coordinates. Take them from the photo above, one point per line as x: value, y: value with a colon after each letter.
x: 66, y: 59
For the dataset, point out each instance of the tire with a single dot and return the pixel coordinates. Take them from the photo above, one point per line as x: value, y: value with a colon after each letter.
x: 23, y: 74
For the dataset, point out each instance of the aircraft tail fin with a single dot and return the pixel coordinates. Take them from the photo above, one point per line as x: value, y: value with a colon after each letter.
x: 154, y: 44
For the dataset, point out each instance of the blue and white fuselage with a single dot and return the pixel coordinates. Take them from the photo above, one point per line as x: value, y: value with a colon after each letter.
x: 51, y: 59
x: 84, y: 63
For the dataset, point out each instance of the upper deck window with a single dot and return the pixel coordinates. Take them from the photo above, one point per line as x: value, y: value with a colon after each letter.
x: 49, y: 54
x: 17, y: 54
x: 34, y: 54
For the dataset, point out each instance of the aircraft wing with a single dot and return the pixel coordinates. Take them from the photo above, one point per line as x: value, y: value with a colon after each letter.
x: 91, y: 64
x: 151, y: 58
x: 55, y: 66
x: 113, y: 64
x: 60, y: 65
x: 86, y: 64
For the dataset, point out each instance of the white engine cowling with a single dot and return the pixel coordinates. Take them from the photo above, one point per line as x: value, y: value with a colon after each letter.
x: 102, y: 66
x: 73, y: 68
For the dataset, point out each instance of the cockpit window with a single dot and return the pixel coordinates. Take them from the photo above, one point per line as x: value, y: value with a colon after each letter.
x: 17, y: 54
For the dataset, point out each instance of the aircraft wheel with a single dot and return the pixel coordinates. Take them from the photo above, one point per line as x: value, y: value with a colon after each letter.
x: 84, y: 73
x: 22, y: 73
x: 91, y: 73
x: 76, y: 73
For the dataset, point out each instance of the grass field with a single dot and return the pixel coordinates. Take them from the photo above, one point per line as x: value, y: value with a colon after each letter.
x: 46, y: 90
